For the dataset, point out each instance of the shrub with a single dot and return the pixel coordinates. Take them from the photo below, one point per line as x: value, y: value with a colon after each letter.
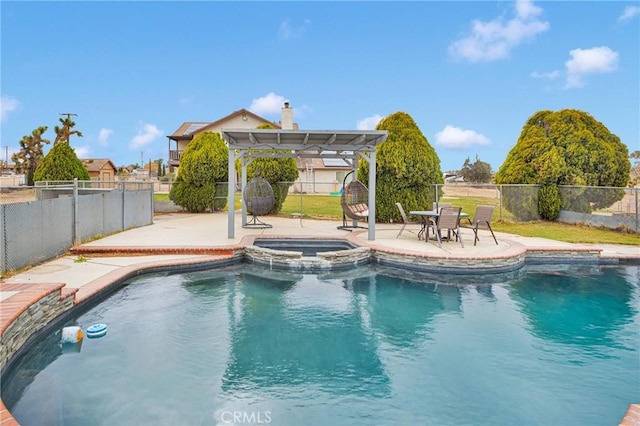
x: 407, y: 168
x: 566, y: 147
x: 203, y: 163
x: 60, y: 164
x: 279, y: 172
x: 549, y: 202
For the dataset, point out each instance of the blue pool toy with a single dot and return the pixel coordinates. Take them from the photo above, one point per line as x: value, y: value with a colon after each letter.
x: 96, y: 330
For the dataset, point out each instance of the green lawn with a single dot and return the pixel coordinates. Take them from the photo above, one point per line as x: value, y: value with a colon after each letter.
x: 328, y: 207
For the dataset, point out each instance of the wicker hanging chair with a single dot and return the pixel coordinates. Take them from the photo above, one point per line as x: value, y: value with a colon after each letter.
x: 258, y: 197
x: 354, y: 202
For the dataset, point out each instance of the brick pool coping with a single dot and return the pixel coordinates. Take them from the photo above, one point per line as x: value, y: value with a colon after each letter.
x: 30, y: 307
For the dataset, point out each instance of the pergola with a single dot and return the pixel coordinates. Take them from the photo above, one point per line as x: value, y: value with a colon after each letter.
x: 348, y: 145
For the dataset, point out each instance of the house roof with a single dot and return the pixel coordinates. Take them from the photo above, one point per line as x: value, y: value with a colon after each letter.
x: 189, y: 128
x: 97, y: 164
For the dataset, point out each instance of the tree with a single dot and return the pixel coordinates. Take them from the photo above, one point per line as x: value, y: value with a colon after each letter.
x: 61, y: 164
x: 635, y: 167
x: 27, y: 159
x: 203, y: 164
x: 64, y: 133
x: 407, y: 168
x: 279, y: 172
x: 566, y: 147
x: 478, y: 172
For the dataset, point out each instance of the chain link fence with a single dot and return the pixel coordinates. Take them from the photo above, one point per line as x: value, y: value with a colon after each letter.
x: 609, y: 207
x: 44, y: 221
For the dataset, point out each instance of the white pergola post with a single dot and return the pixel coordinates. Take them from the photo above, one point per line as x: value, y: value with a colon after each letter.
x: 372, y: 195
x: 231, y: 195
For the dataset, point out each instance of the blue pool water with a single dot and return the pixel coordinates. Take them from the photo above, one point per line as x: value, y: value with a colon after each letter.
x: 370, y: 346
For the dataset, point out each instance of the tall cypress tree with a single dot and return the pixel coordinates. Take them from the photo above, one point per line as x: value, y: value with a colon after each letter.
x: 61, y: 164
x: 566, y: 147
x: 407, y: 167
x: 203, y: 163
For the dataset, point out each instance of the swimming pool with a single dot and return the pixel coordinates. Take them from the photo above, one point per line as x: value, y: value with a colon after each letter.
x: 371, y: 345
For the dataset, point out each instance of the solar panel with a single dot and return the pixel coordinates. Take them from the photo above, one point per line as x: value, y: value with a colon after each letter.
x: 193, y: 127
x: 335, y: 162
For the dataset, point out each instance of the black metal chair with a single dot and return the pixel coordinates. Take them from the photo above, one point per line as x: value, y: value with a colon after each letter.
x: 259, y: 199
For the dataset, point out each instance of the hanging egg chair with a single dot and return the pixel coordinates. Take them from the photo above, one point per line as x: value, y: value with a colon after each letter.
x: 258, y: 197
x: 354, y: 202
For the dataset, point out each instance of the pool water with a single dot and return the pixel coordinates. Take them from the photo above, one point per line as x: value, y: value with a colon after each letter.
x: 370, y: 346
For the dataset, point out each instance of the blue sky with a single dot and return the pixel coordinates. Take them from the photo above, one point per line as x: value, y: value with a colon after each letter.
x: 469, y: 73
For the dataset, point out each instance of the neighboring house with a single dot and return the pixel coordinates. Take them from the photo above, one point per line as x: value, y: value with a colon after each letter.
x: 320, y: 175
x: 315, y: 175
x: 240, y: 119
x: 100, y: 169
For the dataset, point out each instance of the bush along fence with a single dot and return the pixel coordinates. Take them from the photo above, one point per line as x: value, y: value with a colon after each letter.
x: 68, y: 213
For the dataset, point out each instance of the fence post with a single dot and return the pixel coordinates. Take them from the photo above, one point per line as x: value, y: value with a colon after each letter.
x: 123, y: 206
x: 636, y: 197
x: 76, y: 218
x: 3, y: 248
x: 500, y: 202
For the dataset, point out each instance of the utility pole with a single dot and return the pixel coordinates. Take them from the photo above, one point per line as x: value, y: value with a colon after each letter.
x: 68, y: 114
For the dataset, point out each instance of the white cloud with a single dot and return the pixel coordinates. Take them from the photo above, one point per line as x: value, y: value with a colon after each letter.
x: 286, y: 31
x: 103, y: 136
x: 268, y: 104
x: 495, y: 39
x: 457, y: 138
x: 628, y: 13
x: 82, y: 151
x: 369, y: 123
x: 185, y: 101
x: 551, y: 75
x: 596, y: 60
x: 146, y: 134
x: 7, y: 104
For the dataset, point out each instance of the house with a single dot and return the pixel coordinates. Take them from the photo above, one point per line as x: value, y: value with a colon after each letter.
x: 315, y: 175
x: 100, y: 169
x: 320, y: 175
x: 240, y: 119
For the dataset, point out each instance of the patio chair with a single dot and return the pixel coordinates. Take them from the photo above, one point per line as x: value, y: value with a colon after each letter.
x: 259, y: 198
x: 405, y: 221
x: 482, y: 220
x: 354, y: 202
x: 448, y: 220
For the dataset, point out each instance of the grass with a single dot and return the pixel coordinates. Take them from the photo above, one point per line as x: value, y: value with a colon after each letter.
x: 328, y: 207
x: 567, y: 233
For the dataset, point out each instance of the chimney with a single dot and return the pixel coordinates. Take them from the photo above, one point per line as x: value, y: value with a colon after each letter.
x: 287, y: 117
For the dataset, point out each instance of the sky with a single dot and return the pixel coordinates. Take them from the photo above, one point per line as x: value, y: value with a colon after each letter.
x: 469, y: 73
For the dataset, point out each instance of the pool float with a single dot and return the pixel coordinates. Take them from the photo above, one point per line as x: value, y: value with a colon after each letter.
x: 71, y: 334
x: 96, y: 330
